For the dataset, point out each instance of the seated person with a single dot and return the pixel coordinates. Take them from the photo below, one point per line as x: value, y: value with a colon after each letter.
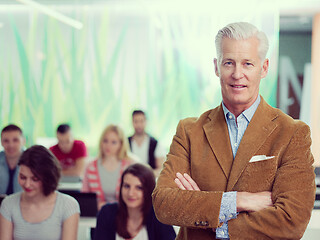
x: 71, y: 153
x: 142, y: 144
x: 12, y: 141
x: 39, y: 212
x: 133, y: 217
x: 104, y: 173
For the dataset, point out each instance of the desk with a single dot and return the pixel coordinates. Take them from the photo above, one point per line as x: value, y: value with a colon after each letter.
x: 76, y: 186
x: 85, y: 224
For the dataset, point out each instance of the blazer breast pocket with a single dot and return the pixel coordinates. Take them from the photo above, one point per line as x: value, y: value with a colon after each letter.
x: 258, y: 175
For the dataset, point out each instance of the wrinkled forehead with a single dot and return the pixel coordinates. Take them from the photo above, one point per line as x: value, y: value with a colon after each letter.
x: 242, y: 48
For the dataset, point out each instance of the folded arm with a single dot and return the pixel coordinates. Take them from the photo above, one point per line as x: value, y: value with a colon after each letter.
x: 174, y: 206
x: 292, y: 195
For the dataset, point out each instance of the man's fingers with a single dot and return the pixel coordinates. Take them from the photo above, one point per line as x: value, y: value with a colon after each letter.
x: 192, y: 182
x: 179, y: 184
x: 186, y: 181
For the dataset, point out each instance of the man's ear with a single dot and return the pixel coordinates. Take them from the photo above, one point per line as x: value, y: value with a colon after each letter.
x: 216, y: 68
x: 265, y: 68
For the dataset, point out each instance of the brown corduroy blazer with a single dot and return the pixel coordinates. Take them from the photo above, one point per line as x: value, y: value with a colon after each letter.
x: 201, y: 148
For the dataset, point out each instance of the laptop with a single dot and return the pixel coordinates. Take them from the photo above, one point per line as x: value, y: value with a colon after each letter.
x: 87, y: 201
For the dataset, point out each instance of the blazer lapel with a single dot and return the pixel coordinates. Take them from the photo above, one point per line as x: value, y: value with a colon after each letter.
x: 258, y: 130
x: 216, y: 131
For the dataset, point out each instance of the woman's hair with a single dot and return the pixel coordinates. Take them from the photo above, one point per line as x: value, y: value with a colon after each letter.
x: 44, y: 165
x: 242, y: 31
x: 147, y: 179
x: 123, y: 152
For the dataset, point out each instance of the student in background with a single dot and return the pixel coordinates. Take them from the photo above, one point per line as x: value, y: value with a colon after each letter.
x: 133, y: 217
x: 146, y: 147
x: 103, y: 174
x: 39, y: 212
x: 70, y: 152
x: 12, y: 141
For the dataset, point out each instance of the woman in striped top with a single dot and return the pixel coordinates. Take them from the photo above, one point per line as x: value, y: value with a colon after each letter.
x: 103, y: 175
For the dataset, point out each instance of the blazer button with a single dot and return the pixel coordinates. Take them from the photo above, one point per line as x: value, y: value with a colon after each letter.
x: 204, y: 223
x: 197, y: 223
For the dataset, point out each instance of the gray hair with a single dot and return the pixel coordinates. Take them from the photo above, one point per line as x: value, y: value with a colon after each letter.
x: 242, y: 31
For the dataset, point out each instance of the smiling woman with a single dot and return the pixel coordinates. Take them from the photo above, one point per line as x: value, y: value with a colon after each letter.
x: 39, y: 212
x: 133, y: 217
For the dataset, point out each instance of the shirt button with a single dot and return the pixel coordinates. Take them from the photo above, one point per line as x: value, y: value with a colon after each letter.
x: 236, y: 144
x: 230, y: 116
x: 230, y: 216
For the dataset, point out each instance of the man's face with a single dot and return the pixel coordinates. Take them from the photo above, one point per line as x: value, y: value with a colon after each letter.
x: 12, y: 142
x: 139, y: 123
x: 65, y: 141
x: 240, y: 72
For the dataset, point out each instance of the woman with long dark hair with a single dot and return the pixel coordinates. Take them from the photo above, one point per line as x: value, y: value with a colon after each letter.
x: 133, y: 217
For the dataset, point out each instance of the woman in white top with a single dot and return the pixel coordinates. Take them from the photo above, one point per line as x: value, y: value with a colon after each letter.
x: 133, y: 217
x: 39, y: 212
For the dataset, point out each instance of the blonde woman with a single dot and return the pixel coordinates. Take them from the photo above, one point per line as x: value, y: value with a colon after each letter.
x: 103, y: 175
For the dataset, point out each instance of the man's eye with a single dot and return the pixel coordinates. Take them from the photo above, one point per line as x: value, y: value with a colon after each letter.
x: 228, y: 63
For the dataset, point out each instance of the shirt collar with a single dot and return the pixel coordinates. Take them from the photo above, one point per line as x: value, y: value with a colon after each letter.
x: 248, y: 113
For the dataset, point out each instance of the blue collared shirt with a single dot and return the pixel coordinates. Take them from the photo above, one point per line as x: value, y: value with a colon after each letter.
x: 236, y: 127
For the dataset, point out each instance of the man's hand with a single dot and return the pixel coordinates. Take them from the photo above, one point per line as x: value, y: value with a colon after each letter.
x: 251, y: 202
x: 185, y: 182
x: 246, y: 202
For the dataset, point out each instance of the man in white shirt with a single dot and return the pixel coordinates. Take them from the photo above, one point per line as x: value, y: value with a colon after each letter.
x: 146, y: 147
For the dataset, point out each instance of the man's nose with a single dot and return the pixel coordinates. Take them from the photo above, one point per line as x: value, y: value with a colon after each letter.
x: 237, y: 72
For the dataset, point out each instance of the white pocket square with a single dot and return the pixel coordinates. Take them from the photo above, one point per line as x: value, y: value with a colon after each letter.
x: 258, y: 158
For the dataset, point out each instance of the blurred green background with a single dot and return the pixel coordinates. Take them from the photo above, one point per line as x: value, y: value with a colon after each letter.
x: 149, y: 55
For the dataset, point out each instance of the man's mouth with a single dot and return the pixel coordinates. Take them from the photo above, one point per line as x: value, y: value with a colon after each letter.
x: 238, y: 86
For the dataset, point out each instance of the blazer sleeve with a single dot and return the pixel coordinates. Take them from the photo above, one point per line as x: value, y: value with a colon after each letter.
x: 293, y: 195
x: 182, y: 207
